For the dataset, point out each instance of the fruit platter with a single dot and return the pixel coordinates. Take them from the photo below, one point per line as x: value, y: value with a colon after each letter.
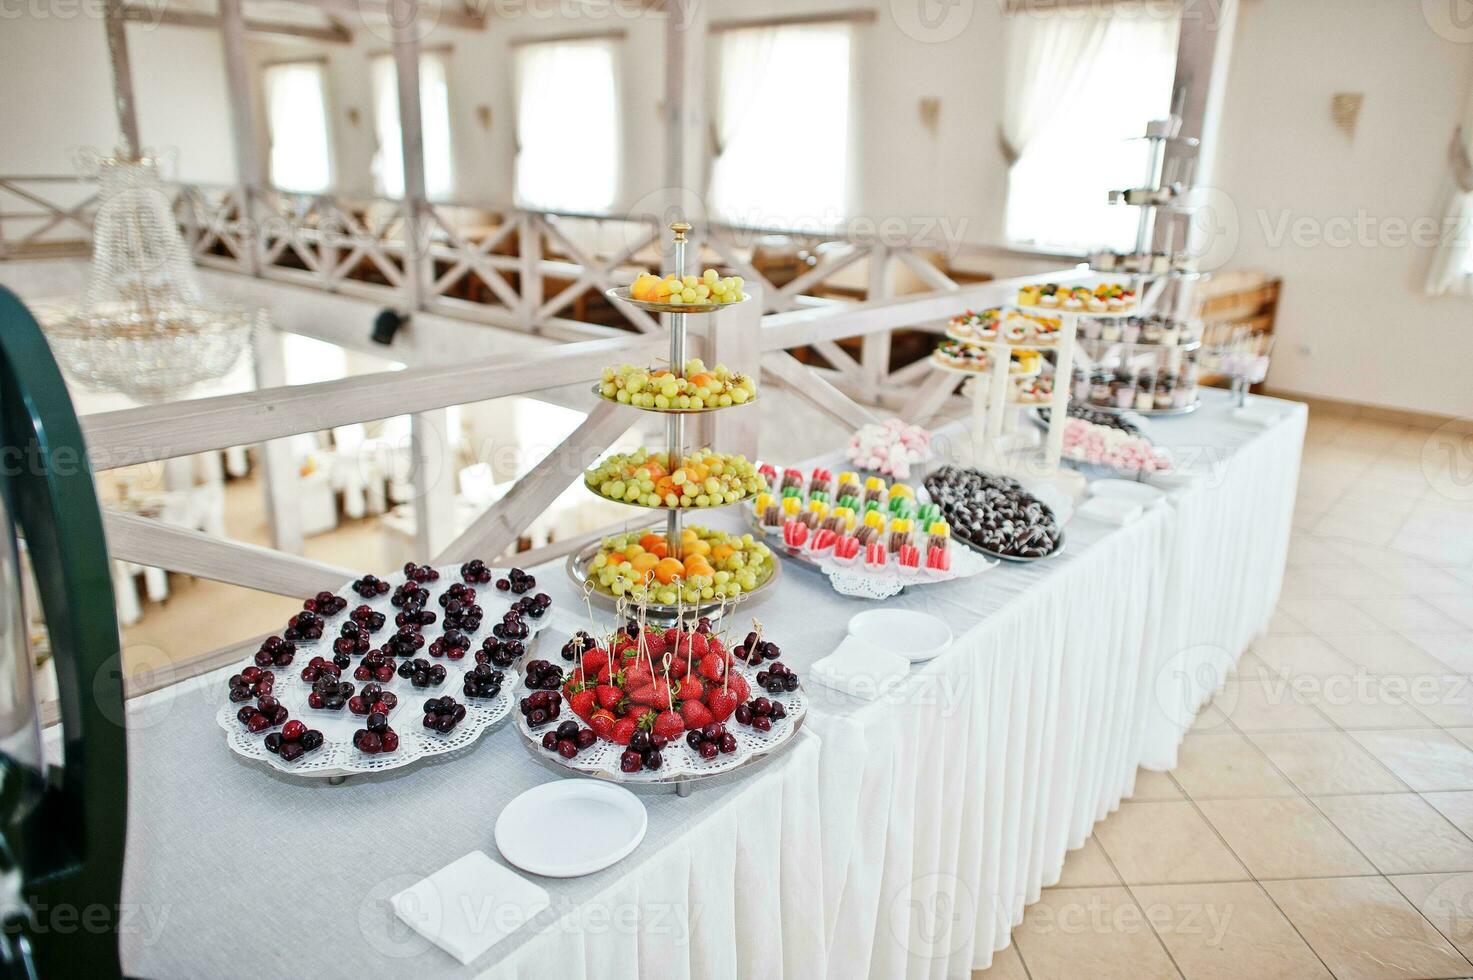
x: 673, y: 293
x: 695, y: 389
x: 716, y: 567
x: 647, y: 706
x: 386, y: 671
x: 995, y: 515
x: 871, y: 540
x: 649, y: 479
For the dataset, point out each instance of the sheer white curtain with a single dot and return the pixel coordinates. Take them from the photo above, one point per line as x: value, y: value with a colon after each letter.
x: 434, y: 121
x: 1452, y: 261
x: 783, y: 122
x: 1111, y: 70
x: 296, y: 122
x: 567, y: 126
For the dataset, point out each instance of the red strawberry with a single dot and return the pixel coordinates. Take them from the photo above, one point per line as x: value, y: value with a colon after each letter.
x: 656, y: 694
x: 690, y: 689
x: 623, y: 728
x: 603, y: 724
x: 738, y: 685
x: 722, y: 703
x: 713, y: 666
x: 696, y: 715
x: 679, y: 667
x: 582, y: 703
x: 669, y: 724
x: 644, y: 718
x: 595, y: 661
x: 637, y: 674
x: 655, y: 644
x: 694, y: 645
x: 608, y: 696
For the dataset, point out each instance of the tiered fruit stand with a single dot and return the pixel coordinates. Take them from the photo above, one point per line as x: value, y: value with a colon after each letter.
x: 579, y: 563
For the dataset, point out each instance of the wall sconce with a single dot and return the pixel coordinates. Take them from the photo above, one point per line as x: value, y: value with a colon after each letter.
x: 483, y: 116
x: 354, y: 116
x: 1345, y: 111
x: 931, y: 114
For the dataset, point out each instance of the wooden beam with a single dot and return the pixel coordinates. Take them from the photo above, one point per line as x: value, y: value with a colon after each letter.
x: 500, y: 526
x: 177, y: 549
x: 929, y: 397
x: 796, y: 20
x: 331, y: 34
x: 117, y: 50
x: 796, y: 376
x: 141, y: 435
x: 445, y: 14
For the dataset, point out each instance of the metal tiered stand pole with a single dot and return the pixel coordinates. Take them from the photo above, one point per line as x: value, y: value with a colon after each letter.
x: 675, y: 424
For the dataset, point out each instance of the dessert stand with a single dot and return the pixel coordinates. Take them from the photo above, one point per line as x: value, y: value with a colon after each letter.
x: 337, y: 758
x: 578, y: 564
x: 1165, y: 271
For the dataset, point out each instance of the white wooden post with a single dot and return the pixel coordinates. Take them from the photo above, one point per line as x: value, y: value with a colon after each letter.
x: 248, y: 171
x: 404, y: 21
x: 434, y: 482
x: 529, y: 250
x: 734, y: 338
x: 874, y: 352
x: 279, y: 482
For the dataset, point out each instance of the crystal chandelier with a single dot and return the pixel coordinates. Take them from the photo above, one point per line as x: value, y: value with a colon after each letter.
x: 144, y: 328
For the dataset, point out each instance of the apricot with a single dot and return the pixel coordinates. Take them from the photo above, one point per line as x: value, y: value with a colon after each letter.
x: 648, y: 541
x: 695, y: 547
x: 645, y: 562
x: 722, y: 552
x: 668, y: 570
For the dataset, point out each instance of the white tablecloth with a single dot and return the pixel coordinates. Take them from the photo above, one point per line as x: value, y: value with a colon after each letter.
x: 902, y: 836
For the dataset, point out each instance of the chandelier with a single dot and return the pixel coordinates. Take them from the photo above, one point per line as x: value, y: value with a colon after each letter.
x: 144, y: 327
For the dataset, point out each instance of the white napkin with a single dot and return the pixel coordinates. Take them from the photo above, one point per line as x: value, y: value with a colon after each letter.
x: 1109, y: 510
x: 860, y: 669
x: 469, y: 905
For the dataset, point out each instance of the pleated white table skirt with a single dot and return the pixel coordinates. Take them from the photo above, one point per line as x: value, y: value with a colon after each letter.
x: 900, y: 837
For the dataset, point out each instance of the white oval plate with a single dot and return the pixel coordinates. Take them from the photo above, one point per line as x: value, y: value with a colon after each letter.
x: 1127, y: 490
x: 917, y: 637
x: 596, y: 824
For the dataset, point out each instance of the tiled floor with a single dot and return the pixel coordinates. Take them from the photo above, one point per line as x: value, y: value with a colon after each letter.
x: 1320, y: 820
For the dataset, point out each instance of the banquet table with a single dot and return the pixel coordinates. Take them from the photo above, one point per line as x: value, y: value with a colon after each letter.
x: 903, y: 835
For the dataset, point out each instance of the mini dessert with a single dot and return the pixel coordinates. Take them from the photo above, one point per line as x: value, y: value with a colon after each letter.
x: 846, y: 549
x: 795, y: 532
x: 875, y: 554
x: 909, y: 556
x: 962, y: 356
x: 994, y: 513
x: 822, y: 540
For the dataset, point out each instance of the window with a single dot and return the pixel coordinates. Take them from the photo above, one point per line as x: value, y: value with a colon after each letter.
x: 782, y: 121
x: 1083, y: 83
x: 567, y: 126
x: 434, y: 124
x: 296, y: 116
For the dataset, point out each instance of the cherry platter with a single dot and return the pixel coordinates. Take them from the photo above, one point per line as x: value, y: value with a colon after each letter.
x: 386, y: 671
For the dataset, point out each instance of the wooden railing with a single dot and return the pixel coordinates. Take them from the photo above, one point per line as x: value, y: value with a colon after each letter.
x: 358, y: 248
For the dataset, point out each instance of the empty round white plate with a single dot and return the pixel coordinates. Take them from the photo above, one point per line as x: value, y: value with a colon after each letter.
x: 1127, y: 490
x: 915, y: 636
x: 570, y: 827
